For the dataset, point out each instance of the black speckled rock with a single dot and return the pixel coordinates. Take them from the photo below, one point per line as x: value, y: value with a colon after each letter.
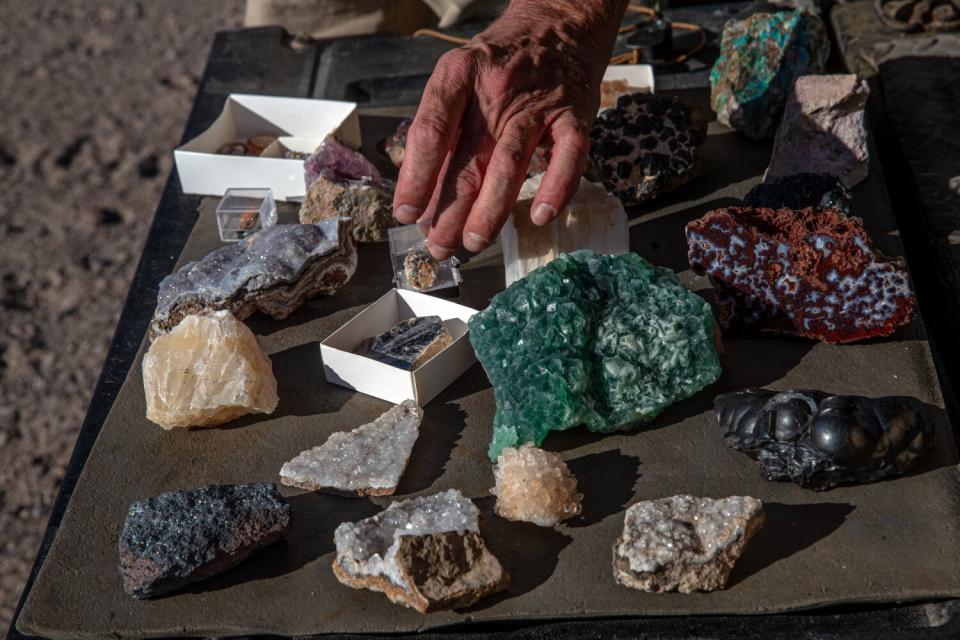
x: 819, y: 441
x: 182, y: 537
x: 274, y: 271
x: 410, y: 343
x: 799, y: 191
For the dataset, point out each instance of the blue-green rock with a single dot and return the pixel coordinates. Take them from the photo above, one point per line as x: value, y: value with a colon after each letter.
x: 760, y: 57
x: 601, y: 341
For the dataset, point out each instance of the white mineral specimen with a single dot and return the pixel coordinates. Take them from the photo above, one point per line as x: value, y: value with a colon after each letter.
x: 206, y: 371
x: 367, y: 461
x: 684, y: 543
x: 594, y: 219
x: 535, y: 486
x: 425, y: 553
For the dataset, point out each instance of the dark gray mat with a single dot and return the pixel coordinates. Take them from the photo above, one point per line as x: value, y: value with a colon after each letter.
x: 891, y: 541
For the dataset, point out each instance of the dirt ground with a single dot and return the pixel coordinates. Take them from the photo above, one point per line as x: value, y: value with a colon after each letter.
x: 93, y: 98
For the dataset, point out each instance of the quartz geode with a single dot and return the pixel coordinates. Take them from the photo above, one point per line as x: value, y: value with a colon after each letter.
x: 760, y: 58
x: 809, y: 273
x: 274, y: 271
x: 342, y: 183
x: 409, y: 343
x: 645, y: 146
x: 367, y: 461
x: 181, y: 537
x: 800, y: 191
x: 535, y: 486
x: 601, y: 341
x: 425, y: 553
x: 207, y: 371
x: 684, y: 543
x: 818, y: 440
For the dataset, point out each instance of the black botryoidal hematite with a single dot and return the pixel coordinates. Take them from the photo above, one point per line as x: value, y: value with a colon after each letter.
x: 799, y: 191
x: 820, y: 440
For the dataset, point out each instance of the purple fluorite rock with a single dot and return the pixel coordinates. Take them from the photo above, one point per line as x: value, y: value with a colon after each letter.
x: 339, y: 163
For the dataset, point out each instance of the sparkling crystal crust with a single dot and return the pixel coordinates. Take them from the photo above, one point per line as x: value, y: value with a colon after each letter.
x: 366, y: 461
x: 684, y: 543
x: 535, y: 486
x: 601, y: 341
x: 207, y: 371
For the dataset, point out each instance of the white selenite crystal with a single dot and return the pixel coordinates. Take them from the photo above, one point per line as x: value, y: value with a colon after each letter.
x: 366, y: 461
x: 594, y: 219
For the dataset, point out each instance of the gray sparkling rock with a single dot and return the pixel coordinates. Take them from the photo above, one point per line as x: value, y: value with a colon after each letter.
x: 273, y: 271
x: 181, y: 537
x: 823, y: 130
x: 410, y: 343
x: 367, y: 461
x: 420, y: 268
x: 684, y: 543
x: 426, y: 553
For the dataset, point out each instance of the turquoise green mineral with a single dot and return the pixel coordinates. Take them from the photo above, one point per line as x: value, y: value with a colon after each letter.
x: 601, y: 341
x: 760, y: 57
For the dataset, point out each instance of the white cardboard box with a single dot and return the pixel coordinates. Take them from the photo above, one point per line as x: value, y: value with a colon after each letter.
x: 301, y: 123
x: 639, y: 77
x: 343, y: 367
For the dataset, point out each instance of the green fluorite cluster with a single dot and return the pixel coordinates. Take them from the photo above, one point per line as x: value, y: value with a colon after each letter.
x: 760, y: 57
x: 594, y: 340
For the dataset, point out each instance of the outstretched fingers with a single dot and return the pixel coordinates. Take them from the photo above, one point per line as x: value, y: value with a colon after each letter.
x: 432, y: 134
x: 568, y: 160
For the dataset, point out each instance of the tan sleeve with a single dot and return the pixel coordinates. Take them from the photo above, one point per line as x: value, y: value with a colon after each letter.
x: 452, y: 11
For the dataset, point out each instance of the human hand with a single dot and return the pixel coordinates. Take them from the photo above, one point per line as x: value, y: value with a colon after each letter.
x: 533, y: 76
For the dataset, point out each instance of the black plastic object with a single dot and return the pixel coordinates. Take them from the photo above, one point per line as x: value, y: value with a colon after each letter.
x: 819, y: 441
x: 654, y: 39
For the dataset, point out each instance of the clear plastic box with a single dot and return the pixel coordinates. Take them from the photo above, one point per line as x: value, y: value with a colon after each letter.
x: 413, y: 267
x: 243, y: 212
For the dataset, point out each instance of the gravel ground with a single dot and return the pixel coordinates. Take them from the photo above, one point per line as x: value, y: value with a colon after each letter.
x: 94, y: 99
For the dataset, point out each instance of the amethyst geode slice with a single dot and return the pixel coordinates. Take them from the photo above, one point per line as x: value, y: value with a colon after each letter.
x: 818, y: 440
x: 342, y: 183
x: 181, y: 537
x: 273, y: 271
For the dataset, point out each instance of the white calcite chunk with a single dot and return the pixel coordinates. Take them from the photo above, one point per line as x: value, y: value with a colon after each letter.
x: 684, y: 543
x: 425, y: 553
x: 366, y: 461
x: 206, y: 371
x: 535, y: 486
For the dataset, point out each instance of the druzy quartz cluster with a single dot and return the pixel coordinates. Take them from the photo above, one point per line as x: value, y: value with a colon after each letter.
x: 535, y: 486
x: 601, y: 341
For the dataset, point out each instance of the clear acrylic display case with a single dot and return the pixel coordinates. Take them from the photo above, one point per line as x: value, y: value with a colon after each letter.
x: 243, y: 212
x: 413, y: 267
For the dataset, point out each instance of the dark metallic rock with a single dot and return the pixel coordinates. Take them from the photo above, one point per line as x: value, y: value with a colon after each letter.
x: 274, y: 271
x: 410, y: 343
x: 818, y: 440
x: 181, y: 537
x: 799, y: 191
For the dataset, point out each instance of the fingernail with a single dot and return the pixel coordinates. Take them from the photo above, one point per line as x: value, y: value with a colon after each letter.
x: 543, y: 213
x: 424, y: 225
x: 406, y: 213
x: 438, y: 252
x: 474, y: 242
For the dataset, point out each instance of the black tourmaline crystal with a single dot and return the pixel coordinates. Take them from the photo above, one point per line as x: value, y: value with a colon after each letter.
x: 799, y: 191
x: 181, y: 537
x: 819, y: 440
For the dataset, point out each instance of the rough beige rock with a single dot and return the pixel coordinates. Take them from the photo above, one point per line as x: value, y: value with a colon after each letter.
x: 535, y: 486
x: 684, y: 543
x: 206, y: 371
x: 368, y: 205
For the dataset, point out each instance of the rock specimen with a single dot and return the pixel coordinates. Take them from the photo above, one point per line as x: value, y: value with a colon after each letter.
x: 207, y: 371
x: 601, y: 341
x: 818, y: 440
x: 799, y: 191
x: 645, y: 146
x: 410, y: 343
x: 367, y: 461
x: 181, y: 537
x: 393, y: 146
x: 824, y: 130
x: 535, y: 486
x: 425, y: 553
x: 420, y: 268
x: 342, y: 183
x: 808, y: 273
x: 760, y: 57
x: 274, y: 271
x: 684, y: 543
x: 592, y: 220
